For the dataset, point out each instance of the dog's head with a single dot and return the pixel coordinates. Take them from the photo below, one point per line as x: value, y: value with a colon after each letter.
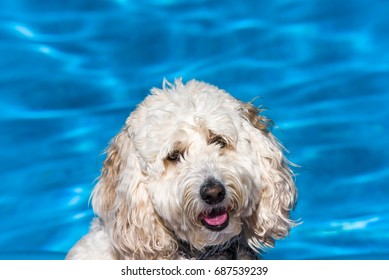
x: 193, y: 163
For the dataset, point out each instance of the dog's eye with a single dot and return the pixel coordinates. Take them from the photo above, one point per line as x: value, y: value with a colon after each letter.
x: 219, y: 141
x: 174, y: 156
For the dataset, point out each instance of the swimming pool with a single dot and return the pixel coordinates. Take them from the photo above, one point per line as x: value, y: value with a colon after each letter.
x: 71, y: 73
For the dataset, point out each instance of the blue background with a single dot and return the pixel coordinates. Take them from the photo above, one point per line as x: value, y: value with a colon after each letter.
x: 71, y: 72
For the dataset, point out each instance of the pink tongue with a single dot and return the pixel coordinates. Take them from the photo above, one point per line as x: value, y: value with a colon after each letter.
x: 217, y: 220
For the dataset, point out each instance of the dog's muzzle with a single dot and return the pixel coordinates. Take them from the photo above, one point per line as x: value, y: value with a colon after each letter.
x: 213, y: 192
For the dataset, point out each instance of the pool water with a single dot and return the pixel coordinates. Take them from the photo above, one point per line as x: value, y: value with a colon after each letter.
x: 71, y: 72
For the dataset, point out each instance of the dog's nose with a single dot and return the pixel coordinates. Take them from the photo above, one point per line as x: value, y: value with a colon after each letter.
x: 212, y: 192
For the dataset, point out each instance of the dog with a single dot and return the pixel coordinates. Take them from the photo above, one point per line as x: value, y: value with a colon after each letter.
x: 193, y: 174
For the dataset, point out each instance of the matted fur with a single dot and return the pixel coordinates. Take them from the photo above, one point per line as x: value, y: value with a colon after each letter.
x: 147, y: 203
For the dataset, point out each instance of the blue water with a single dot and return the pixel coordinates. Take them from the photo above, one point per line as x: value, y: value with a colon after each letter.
x: 71, y: 72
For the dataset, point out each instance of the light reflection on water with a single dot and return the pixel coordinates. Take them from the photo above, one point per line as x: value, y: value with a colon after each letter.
x: 72, y: 73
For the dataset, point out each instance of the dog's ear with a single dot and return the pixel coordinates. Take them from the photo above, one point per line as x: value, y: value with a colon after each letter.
x: 271, y: 218
x: 121, y: 200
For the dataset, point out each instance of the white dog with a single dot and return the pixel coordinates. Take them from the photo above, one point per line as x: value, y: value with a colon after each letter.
x: 194, y: 174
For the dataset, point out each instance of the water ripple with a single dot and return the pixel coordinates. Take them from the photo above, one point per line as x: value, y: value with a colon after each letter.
x: 71, y: 74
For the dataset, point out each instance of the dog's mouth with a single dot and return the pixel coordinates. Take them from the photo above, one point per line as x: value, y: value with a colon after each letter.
x: 216, y: 220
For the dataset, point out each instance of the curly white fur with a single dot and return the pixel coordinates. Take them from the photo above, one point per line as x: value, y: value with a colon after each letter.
x: 148, y: 197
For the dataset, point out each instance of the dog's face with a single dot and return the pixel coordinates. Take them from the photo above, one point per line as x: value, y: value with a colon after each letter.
x: 198, y: 157
x: 203, y: 164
